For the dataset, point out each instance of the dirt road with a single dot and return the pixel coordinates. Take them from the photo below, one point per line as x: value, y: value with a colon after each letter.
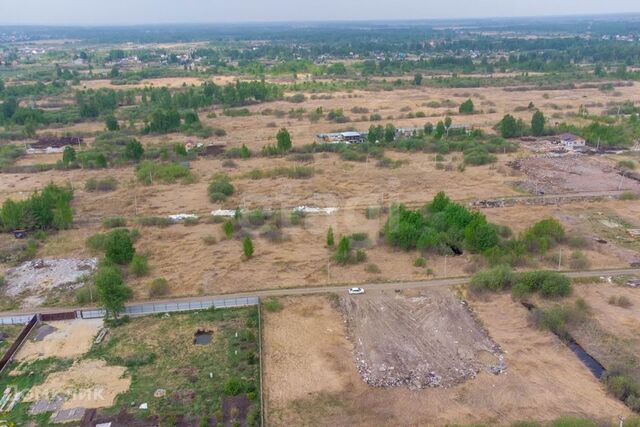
x: 327, y: 289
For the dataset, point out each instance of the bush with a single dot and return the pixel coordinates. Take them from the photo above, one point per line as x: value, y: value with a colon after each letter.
x: 220, y: 188
x: 209, y: 240
x: 622, y: 386
x: 139, y: 266
x: 228, y: 228
x: 620, y: 301
x: 496, y: 279
x: 420, y: 262
x: 114, y: 222
x: 158, y: 287
x: 101, y: 184
x: 361, y: 256
x: 119, y: 247
x: 247, y: 247
x: 97, y: 242
x: 233, y: 387
x: 578, y: 261
x: 626, y: 164
x: 372, y: 212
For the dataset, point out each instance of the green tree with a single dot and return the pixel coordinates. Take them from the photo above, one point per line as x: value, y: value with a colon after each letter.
x: 284, y: 140
x: 466, y: 107
x: 537, y: 123
x: 227, y: 227
x: 428, y: 128
x: 389, y: 133
x: 376, y: 134
x: 111, y: 123
x: 68, y: 155
x: 247, y: 247
x: 119, y: 247
x: 508, y: 126
x: 330, y: 239
x: 112, y: 292
x: 440, y: 130
x: 417, y: 79
x: 341, y: 254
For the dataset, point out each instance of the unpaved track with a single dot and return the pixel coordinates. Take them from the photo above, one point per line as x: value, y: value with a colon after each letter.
x: 330, y: 289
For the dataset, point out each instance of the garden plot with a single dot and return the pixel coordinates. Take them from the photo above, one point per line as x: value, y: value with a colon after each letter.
x: 34, y: 279
x: 419, y: 341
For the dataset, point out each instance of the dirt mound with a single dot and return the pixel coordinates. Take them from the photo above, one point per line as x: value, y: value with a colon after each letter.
x: 35, y: 278
x: 429, y: 340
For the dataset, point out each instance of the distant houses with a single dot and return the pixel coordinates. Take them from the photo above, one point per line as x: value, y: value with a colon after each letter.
x: 354, y: 137
x: 570, y: 141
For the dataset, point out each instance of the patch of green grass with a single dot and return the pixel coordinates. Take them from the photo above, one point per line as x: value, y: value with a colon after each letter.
x: 195, y: 376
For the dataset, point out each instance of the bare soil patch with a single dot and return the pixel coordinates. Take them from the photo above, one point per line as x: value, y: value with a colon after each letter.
x: 423, y: 340
x: 311, y: 379
x: 71, y: 338
x: 571, y: 174
x: 87, y: 384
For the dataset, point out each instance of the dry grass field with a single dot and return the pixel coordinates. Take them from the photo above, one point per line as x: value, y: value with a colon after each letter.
x: 311, y: 377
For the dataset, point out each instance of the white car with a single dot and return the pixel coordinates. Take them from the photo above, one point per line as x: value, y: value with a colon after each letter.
x: 356, y: 291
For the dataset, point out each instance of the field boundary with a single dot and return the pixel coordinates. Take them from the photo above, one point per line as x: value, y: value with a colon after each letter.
x: 141, y: 309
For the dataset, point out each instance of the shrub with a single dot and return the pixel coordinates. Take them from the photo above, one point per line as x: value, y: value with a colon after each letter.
x: 620, y: 301
x: 622, y: 386
x: 46, y: 209
x: 139, y: 266
x: 256, y: 217
x: 420, y: 262
x: 97, y: 242
x: 101, y: 184
x: 119, y: 247
x: 233, y: 387
x: 220, y: 188
x: 209, y: 240
x: 158, y: 287
x: 247, y: 247
x: 495, y: 279
x: 155, y: 221
x: 361, y: 256
x: 84, y: 295
x: 114, y: 222
x: 228, y: 228
x: 578, y: 261
x: 330, y: 238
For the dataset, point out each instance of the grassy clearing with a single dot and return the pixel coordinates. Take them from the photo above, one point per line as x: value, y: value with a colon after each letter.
x: 160, y: 353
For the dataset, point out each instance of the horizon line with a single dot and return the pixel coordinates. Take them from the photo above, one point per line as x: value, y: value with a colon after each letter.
x: 628, y: 14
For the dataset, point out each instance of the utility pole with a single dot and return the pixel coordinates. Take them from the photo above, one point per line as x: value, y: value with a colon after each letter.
x: 445, y: 266
x: 560, y: 259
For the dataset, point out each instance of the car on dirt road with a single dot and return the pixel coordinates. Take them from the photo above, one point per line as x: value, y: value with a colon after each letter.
x: 356, y: 291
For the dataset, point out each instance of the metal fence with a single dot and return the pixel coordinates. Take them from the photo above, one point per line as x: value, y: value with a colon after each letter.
x: 150, y: 308
x: 16, y: 320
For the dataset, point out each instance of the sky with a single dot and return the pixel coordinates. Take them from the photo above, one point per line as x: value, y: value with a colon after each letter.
x: 125, y: 12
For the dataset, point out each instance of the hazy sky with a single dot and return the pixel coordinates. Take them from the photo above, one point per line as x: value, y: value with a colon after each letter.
x: 91, y: 12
